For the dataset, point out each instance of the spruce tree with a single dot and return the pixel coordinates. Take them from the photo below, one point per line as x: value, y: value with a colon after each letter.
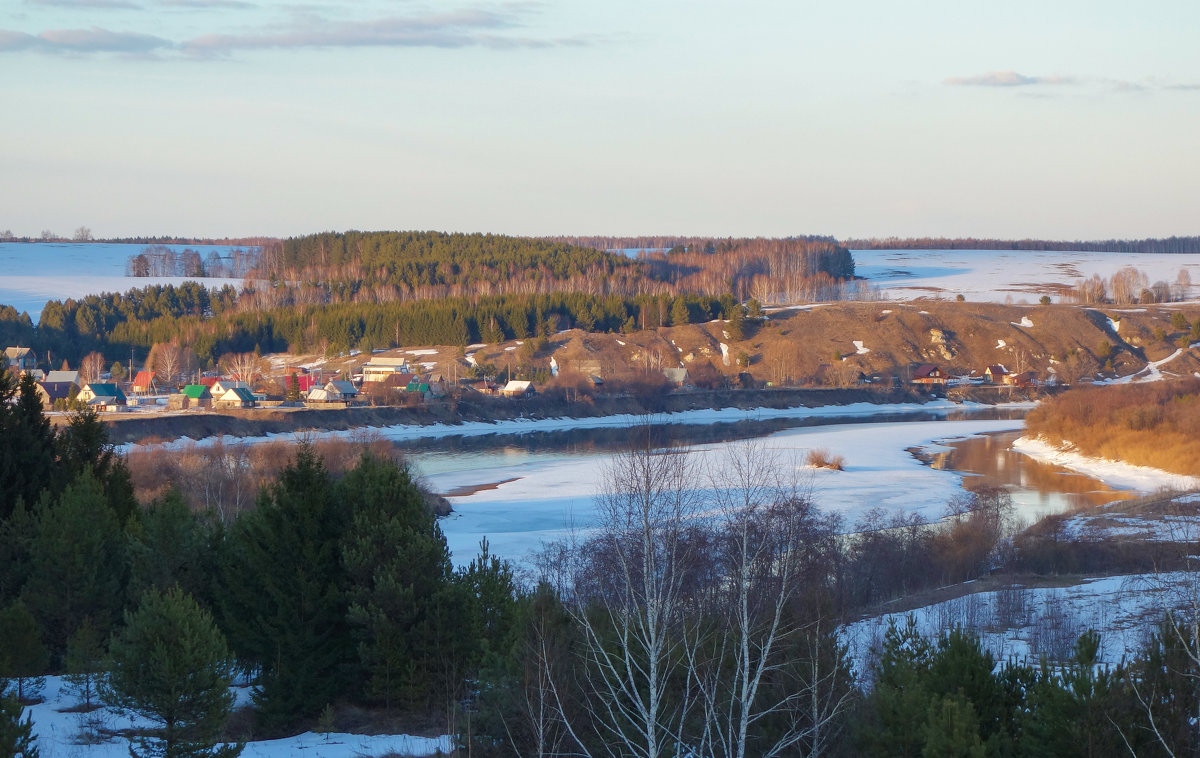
x: 281, y: 595
x: 77, y: 564
x: 403, y: 604
x: 170, y: 545
x: 27, y: 454
x: 171, y: 665
x: 23, y: 657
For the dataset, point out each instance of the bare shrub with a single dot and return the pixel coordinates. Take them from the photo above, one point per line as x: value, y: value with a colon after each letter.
x: 821, y: 457
x: 1012, y: 608
x: 1054, y: 631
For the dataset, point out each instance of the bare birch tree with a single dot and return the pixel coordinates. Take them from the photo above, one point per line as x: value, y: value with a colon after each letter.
x: 628, y: 599
x: 91, y: 367
x: 769, y: 683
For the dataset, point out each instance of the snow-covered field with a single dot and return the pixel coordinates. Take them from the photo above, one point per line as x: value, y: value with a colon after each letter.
x: 35, y: 273
x: 995, y: 275
x: 58, y: 735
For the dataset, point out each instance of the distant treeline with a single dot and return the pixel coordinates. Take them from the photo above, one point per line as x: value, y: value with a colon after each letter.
x: 211, y: 322
x: 161, y: 260
x: 1166, y: 245
x: 395, y: 266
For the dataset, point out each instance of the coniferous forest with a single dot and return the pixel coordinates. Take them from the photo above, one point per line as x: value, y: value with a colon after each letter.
x: 690, y: 620
x: 335, y: 292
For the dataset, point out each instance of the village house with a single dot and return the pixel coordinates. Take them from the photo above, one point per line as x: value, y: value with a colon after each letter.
x: 929, y: 374
x: 102, y: 396
x: 233, y: 397
x: 56, y: 377
x: 221, y: 386
x: 191, y: 396
x: 996, y: 374
x: 143, y: 383
x: 50, y: 392
x: 379, y: 369
x: 19, y: 359
x: 518, y: 388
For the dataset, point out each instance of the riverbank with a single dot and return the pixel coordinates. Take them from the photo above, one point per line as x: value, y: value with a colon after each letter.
x: 480, y: 415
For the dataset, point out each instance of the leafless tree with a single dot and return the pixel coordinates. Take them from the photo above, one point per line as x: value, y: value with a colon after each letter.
x: 169, y: 360
x: 82, y: 234
x: 245, y: 367
x: 91, y: 367
x: 627, y: 597
x: 772, y: 543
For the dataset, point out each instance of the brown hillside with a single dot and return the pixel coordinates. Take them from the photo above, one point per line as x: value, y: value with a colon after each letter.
x: 814, y: 346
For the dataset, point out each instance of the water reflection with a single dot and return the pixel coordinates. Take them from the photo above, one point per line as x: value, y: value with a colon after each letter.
x: 988, y: 460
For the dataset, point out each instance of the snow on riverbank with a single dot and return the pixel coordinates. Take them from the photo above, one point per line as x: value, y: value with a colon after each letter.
x: 1023, y: 622
x: 702, y: 417
x: 1113, y: 473
x: 58, y: 735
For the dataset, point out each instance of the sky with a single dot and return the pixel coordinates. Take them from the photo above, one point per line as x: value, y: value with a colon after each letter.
x: 1064, y: 120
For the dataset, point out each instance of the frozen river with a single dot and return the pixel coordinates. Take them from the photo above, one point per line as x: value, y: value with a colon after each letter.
x: 521, y: 500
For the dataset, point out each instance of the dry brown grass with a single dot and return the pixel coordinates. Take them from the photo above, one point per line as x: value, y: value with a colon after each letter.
x: 1155, y: 424
x: 820, y: 457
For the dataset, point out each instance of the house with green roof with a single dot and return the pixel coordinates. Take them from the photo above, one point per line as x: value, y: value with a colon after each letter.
x: 191, y: 396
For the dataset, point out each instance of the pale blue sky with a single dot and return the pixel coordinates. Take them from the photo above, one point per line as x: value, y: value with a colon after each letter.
x: 214, y: 117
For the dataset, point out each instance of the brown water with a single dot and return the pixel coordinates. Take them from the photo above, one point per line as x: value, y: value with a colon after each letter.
x: 1037, y: 488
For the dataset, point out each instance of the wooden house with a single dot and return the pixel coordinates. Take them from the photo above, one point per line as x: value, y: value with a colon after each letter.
x: 234, y: 397
x: 996, y: 374
x: 518, y: 388
x: 191, y: 396
x: 929, y: 374
x: 143, y: 383
x: 102, y: 396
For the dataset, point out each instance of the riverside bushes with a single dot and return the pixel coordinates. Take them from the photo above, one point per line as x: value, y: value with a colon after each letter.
x: 1151, y: 424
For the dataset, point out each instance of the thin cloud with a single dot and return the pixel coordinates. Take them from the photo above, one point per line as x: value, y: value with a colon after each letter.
x: 94, y: 40
x: 1007, y: 79
x: 464, y: 28
x: 206, y: 4
x: 86, y: 3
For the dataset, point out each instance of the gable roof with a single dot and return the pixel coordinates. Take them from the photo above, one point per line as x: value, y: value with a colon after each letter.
x: 926, y: 370
x: 57, y: 390
x: 143, y: 379
x: 995, y: 370
x: 17, y: 352
x: 343, y: 387
x: 242, y: 393
x: 196, y: 391
x: 517, y: 386
x: 63, y: 376
x: 106, y: 391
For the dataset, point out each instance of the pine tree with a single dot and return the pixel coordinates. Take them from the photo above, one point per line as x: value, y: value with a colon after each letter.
x: 281, y: 595
x: 735, y: 326
x: 171, y: 665
x: 85, y: 663
x: 293, y: 389
x: 22, y: 655
x: 952, y: 730
x: 900, y: 701
x: 16, y: 736
x: 680, y: 314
